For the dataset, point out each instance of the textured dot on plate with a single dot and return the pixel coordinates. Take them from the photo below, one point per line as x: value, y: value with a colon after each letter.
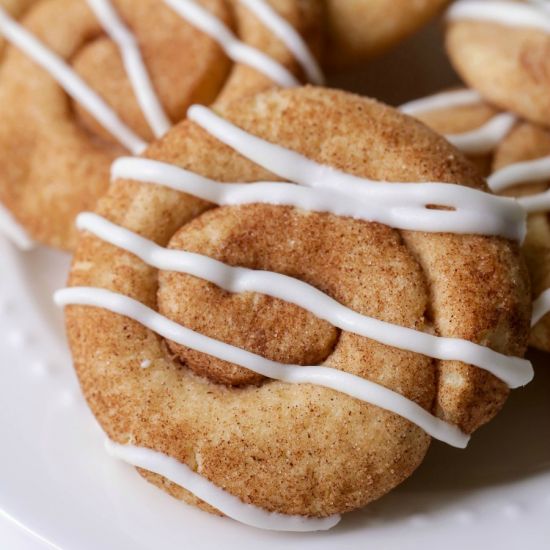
x: 465, y: 517
x: 39, y: 369
x: 511, y: 511
x: 67, y: 397
x: 419, y: 520
x: 17, y: 338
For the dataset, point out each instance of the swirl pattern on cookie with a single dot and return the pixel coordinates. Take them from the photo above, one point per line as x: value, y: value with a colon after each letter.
x: 142, y: 86
x: 158, y: 258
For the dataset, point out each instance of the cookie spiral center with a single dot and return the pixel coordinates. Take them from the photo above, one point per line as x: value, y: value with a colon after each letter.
x: 275, y: 329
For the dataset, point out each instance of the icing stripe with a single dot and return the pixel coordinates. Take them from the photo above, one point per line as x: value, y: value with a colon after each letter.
x: 513, y: 371
x: 13, y: 230
x: 292, y: 39
x: 485, y: 138
x: 540, y: 202
x: 225, y: 502
x: 70, y: 81
x: 541, y: 306
x: 327, y: 377
x: 475, y: 142
x: 400, y: 205
x: 513, y: 14
x: 235, y: 49
x: 520, y: 172
x: 134, y: 65
x: 507, y: 220
x: 440, y: 101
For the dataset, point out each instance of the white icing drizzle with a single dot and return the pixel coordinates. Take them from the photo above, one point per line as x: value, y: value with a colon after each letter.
x: 292, y: 39
x: 541, y: 306
x: 234, y: 48
x: 514, y: 371
x: 440, y: 101
x: 135, y: 67
x: 340, y: 381
x: 501, y: 218
x: 485, y: 138
x: 513, y: 14
x: 399, y: 205
x: 475, y: 142
x: 522, y: 173
x: 225, y: 502
x: 70, y: 81
x: 13, y: 230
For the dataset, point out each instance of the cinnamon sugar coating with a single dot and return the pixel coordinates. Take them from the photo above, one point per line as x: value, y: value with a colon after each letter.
x: 360, y: 29
x: 529, y: 142
x: 508, y: 65
x: 295, y: 449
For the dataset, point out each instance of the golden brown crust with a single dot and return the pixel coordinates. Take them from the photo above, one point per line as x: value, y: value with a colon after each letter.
x: 360, y: 29
x: 528, y: 142
x: 295, y: 449
x: 510, y: 66
x: 54, y: 157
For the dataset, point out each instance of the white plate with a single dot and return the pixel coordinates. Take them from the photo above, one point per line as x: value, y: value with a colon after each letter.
x: 57, y: 482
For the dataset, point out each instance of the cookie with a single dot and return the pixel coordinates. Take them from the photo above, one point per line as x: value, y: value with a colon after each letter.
x: 501, y: 49
x: 280, y: 352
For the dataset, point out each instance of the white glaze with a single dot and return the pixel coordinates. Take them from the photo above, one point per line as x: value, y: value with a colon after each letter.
x: 234, y: 48
x: 399, y: 205
x: 70, y: 81
x: 513, y: 371
x: 523, y: 173
x: 484, y: 139
x: 11, y: 228
x: 292, y: 39
x: 512, y: 14
x: 541, y: 306
x: 484, y: 214
x: 520, y: 172
x: 440, y: 101
x: 135, y: 67
x: 475, y: 142
x: 225, y: 502
x: 327, y: 377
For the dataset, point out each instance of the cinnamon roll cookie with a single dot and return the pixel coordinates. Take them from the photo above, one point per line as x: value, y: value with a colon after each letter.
x: 83, y: 82
x: 282, y: 353
x: 500, y: 48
